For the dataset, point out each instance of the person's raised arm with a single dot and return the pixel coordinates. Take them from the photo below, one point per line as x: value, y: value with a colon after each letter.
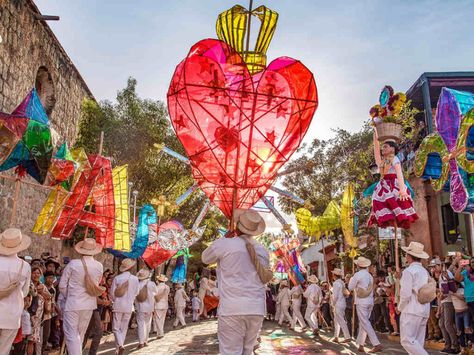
x: 378, y: 157
x: 209, y: 255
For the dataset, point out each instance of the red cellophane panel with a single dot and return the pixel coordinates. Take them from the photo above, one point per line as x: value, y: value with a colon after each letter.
x: 96, y: 183
x: 238, y: 129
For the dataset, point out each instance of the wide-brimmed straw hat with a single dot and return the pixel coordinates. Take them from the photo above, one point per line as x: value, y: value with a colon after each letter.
x: 88, y: 246
x: 338, y: 272
x: 249, y: 222
x: 275, y: 281
x: 417, y: 250
x: 161, y: 278
x: 13, y: 241
x: 127, y: 264
x: 313, y: 279
x: 362, y: 262
x: 143, y: 274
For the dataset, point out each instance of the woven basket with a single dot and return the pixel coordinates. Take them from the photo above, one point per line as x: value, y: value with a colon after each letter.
x: 389, y: 130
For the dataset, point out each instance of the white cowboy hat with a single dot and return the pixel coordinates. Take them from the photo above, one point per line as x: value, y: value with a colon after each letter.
x: 127, y: 264
x: 417, y: 250
x: 313, y: 279
x: 88, y: 246
x: 338, y: 272
x: 162, y: 278
x: 249, y: 222
x: 362, y: 262
x: 13, y: 241
x: 143, y: 274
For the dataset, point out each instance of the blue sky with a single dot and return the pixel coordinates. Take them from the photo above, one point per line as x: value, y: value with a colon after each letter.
x: 353, y: 48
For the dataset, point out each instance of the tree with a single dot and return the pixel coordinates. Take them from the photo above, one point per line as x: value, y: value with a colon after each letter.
x: 337, y: 161
x: 131, y: 127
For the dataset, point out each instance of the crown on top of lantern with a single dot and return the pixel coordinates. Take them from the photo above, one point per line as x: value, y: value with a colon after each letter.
x: 232, y: 27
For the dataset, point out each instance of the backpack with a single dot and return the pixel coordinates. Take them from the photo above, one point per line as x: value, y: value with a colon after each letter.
x: 143, y: 294
x: 121, y: 289
x: 427, y: 292
x: 92, y: 289
x: 364, y: 293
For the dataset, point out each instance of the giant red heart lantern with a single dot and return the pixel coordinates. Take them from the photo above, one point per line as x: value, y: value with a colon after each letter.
x: 238, y: 129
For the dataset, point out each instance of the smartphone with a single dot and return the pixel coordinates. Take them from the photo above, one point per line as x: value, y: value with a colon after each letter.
x: 464, y: 262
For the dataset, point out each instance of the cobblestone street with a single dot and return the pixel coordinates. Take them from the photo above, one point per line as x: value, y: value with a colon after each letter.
x: 201, y: 338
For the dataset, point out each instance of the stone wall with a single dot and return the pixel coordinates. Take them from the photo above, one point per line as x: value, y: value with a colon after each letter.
x: 31, y: 56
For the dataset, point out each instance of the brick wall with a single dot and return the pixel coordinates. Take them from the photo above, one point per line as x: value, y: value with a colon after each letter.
x: 31, y: 56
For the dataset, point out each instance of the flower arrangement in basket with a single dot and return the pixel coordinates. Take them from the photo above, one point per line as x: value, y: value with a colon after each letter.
x: 393, y: 117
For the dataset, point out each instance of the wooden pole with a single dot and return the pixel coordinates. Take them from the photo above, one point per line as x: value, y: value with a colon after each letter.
x: 397, y: 263
x: 326, y: 271
x: 377, y: 251
x: 353, y: 302
x: 15, y: 201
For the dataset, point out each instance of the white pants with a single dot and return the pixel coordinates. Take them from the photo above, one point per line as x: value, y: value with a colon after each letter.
x: 297, y: 316
x: 365, y: 328
x: 120, y: 327
x: 159, y: 319
x: 201, y: 296
x: 195, y: 315
x: 340, y: 322
x: 284, y: 314
x: 6, y: 340
x: 144, y: 326
x: 180, y: 316
x: 277, y: 312
x: 311, y: 316
x: 75, y: 325
x: 412, y: 333
x: 238, y: 334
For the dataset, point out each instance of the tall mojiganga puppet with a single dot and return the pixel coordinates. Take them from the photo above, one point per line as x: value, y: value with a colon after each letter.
x: 392, y: 204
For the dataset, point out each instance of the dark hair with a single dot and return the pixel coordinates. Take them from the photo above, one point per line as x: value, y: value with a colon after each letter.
x: 33, y: 269
x: 393, y: 145
x: 49, y: 273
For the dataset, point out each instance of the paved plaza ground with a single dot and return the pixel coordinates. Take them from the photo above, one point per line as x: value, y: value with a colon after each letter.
x: 201, y: 338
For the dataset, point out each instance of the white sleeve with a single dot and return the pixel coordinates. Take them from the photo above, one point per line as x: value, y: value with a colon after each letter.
x: 210, y: 254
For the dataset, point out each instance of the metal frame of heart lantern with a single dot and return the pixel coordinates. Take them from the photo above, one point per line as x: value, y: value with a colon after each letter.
x: 238, y: 119
x: 446, y: 157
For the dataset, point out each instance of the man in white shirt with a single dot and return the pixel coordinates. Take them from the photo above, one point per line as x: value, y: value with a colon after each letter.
x: 123, y: 304
x: 363, y: 284
x: 145, y: 308
x: 161, y: 304
x: 284, y: 298
x: 14, y: 285
x: 339, y: 305
x: 313, y: 297
x: 241, y: 291
x: 180, y: 299
x: 414, y: 315
x: 296, y: 294
x: 79, y: 304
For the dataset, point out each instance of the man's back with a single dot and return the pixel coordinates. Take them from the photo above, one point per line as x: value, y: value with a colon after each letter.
x: 73, y: 287
x: 240, y: 290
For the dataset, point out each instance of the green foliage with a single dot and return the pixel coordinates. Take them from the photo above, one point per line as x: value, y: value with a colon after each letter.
x: 337, y: 161
x: 131, y: 127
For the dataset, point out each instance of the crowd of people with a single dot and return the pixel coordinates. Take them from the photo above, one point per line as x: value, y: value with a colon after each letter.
x: 45, y: 303
x: 49, y: 304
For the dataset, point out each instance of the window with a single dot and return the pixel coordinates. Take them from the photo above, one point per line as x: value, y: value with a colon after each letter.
x: 45, y: 88
x: 450, y: 224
